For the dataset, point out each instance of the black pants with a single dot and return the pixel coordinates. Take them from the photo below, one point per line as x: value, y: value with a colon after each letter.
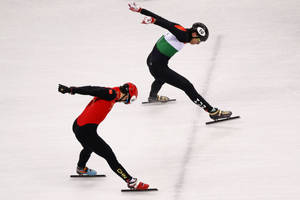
x: 91, y: 142
x: 162, y: 74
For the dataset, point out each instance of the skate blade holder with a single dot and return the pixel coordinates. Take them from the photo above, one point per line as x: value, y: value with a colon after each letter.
x: 133, y: 190
x: 158, y: 102
x: 87, y: 176
x: 222, y: 120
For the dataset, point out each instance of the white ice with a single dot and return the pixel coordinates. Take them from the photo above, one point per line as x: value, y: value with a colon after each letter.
x: 250, y: 65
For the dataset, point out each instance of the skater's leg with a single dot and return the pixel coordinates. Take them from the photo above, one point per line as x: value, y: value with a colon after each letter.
x: 101, y: 148
x: 155, y: 70
x: 90, y: 140
x: 176, y: 80
x: 84, y: 156
x: 86, y: 152
x: 155, y: 87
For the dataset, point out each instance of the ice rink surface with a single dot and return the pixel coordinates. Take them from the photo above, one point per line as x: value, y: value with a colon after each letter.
x: 250, y: 65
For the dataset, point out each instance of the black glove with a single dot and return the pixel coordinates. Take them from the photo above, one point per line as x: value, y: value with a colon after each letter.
x: 64, y: 89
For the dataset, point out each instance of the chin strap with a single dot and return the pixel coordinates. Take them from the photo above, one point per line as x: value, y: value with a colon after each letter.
x: 122, y: 99
x: 125, y: 90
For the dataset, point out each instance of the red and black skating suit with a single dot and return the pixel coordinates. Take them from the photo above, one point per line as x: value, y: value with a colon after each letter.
x: 96, y: 111
x: 166, y: 47
x: 85, y: 126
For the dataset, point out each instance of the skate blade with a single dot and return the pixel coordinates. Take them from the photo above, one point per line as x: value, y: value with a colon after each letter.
x: 157, y: 102
x: 221, y: 120
x: 133, y: 190
x: 87, y: 176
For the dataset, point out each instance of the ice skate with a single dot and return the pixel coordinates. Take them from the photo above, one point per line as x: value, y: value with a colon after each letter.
x: 134, y: 184
x: 158, y: 100
x: 85, y: 171
x: 161, y: 99
x: 217, y: 114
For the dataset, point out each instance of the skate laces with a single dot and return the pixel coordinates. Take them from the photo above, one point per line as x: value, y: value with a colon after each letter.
x: 216, y: 111
x: 82, y: 170
x: 137, y: 185
x: 162, y: 98
x: 132, y: 183
x: 220, y: 112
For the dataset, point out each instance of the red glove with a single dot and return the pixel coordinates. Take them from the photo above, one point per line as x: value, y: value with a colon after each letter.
x: 148, y: 20
x: 133, y: 7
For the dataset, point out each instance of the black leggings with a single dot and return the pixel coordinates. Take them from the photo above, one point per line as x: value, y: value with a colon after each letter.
x: 163, y: 74
x: 91, y: 142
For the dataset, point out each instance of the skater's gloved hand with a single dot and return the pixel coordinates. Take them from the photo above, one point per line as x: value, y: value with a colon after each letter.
x: 133, y: 7
x: 148, y: 20
x: 64, y: 89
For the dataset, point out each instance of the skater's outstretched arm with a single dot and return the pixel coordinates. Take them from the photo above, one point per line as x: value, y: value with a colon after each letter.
x: 101, y: 92
x: 180, y: 32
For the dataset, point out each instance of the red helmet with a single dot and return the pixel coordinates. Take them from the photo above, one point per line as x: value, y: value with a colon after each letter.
x: 131, y: 89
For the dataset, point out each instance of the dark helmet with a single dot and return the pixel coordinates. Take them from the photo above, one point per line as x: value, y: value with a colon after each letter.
x: 201, y: 30
x: 131, y: 89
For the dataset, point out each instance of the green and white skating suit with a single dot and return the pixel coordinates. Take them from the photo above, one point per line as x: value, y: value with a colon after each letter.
x: 168, y: 45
